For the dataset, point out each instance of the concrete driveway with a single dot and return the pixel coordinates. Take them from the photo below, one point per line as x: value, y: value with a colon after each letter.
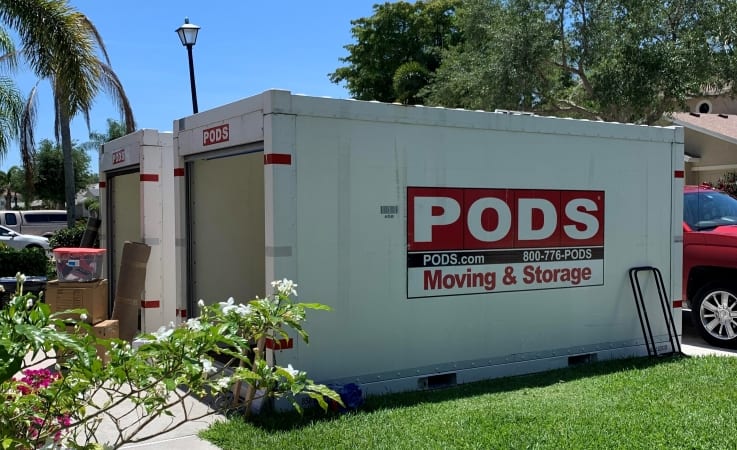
x: 693, y: 345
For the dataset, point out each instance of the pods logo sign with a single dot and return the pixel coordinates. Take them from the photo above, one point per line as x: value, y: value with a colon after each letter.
x: 469, y: 219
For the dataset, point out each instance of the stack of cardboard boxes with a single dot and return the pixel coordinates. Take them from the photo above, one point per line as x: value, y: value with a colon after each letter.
x: 79, y: 286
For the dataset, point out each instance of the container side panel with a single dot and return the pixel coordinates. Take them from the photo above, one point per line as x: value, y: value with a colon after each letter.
x: 352, y: 215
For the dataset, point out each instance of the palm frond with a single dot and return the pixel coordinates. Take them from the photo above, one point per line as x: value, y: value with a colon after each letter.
x: 8, y: 54
x: 28, y: 122
x: 56, y: 44
x: 111, y: 83
x: 11, y: 107
x: 92, y: 29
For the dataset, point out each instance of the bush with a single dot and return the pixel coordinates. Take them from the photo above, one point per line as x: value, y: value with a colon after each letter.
x: 68, y: 237
x: 31, y: 261
x: 65, y: 405
x: 727, y: 183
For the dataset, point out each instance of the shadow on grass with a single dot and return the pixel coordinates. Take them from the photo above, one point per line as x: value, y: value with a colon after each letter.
x: 284, y: 421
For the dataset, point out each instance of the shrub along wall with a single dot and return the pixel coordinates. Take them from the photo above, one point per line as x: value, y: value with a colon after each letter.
x: 31, y: 262
x: 68, y: 237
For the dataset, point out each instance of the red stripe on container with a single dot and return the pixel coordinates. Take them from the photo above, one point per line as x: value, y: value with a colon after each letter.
x: 102, y: 184
x: 678, y: 174
x: 677, y: 303
x: 149, y: 177
x: 281, y: 344
x: 179, y: 172
x: 150, y: 303
x: 278, y: 158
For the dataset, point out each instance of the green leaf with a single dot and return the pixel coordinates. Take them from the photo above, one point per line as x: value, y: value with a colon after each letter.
x: 9, y: 364
x: 317, y: 306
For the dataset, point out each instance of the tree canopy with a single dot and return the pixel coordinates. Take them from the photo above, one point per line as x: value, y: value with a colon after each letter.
x: 62, y: 46
x: 401, y: 35
x: 616, y: 60
x: 49, y: 175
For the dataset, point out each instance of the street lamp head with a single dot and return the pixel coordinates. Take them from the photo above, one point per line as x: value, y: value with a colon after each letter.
x: 188, y: 33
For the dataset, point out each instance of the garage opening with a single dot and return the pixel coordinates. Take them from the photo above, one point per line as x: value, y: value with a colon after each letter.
x: 225, y: 228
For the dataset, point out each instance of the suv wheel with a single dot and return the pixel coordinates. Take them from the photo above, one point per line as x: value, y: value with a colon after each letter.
x: 714, y: 313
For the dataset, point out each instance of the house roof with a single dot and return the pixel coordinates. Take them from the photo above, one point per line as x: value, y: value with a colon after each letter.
x: 721, y: 126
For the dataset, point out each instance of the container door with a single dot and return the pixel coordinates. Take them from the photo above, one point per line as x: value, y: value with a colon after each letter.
x: 226, y: 231
x: 123, y: 219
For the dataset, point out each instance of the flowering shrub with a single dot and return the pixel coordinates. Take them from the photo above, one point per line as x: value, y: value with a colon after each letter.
x: 726, y: 183
x: 66, y: 405
x: 41, y: 426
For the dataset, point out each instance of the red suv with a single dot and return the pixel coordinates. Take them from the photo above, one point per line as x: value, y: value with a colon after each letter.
x: 710, y: 263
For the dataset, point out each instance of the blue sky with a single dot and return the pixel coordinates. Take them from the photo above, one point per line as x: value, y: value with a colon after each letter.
x: 244, y: 47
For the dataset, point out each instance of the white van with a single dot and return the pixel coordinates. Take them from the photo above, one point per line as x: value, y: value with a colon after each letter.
x: 41, y: 222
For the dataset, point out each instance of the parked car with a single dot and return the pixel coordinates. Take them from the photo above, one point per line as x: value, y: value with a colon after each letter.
x: 41, y: 222
x: 710, y: 263
x: 19, y: 241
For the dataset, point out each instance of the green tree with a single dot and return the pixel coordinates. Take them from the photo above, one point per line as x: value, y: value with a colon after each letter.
x: 504, y: 62
x: 12, y: 183
x: 617, y: 60
x: 63, y: 46
x: 397, y: 34
x: 49, y: 162
x: 115, y: 129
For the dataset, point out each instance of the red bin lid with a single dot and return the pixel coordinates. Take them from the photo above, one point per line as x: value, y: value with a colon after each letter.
x: 78, y: 251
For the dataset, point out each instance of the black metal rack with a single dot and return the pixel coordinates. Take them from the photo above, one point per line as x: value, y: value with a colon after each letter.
x: 647, y: 331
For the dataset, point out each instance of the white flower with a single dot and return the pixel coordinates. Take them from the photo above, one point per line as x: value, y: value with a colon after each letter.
x: 207, y: 366
x: 224, y: 382
x: 193, y: 324
x: 285, y: 287
x: 171, y: 324
x: 83, y: 317
x: 201, y: 303
x: 29, y: 303
x: 163, y: 333
x: 243, y: 310
x: 230, y: 306
x: 292, y: 371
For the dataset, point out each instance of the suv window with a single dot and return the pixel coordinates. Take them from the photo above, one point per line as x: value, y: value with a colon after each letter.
x: 36, y: 218
x: 10, y: 219
x: 45, y: 217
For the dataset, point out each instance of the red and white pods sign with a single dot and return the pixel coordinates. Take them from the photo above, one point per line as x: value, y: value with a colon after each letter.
x: 470, y: 241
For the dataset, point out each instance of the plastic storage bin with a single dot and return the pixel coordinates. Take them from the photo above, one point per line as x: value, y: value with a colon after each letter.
x: 78, y: 264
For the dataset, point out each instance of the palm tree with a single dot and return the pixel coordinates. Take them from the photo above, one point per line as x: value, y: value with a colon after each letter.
x: 62, y: 46
x: 11, y: 101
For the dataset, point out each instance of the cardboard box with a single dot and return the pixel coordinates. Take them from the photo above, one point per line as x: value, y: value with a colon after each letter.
x: 79, y: 264
x: 107, y: 329
x: 91, y: 296
x: 129, y: 287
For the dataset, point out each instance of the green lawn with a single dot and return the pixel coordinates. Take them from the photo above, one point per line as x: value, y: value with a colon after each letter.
x: 640, y: 403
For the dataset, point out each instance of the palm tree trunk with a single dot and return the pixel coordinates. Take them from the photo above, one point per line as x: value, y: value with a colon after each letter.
x: 66, y: 148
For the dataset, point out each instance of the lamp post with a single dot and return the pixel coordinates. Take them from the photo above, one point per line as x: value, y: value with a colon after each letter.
x: 188, y: 35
